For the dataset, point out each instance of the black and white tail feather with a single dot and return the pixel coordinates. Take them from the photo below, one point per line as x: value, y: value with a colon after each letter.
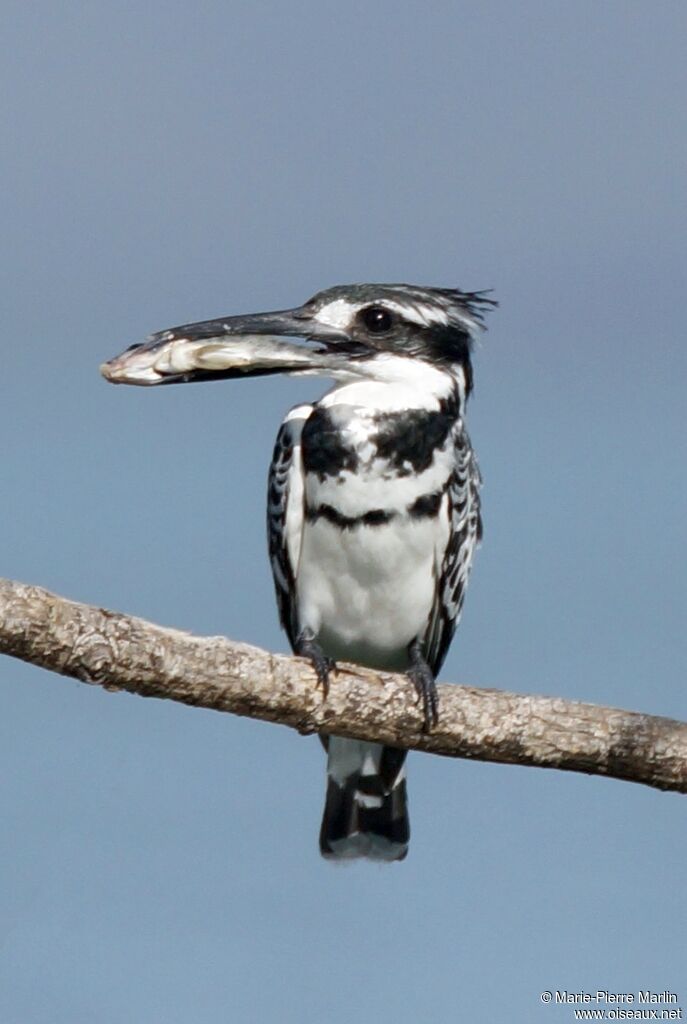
x: 373, y: 501
x: 366, y: 810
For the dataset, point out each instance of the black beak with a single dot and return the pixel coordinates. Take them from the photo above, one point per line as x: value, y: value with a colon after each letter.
x: 237, y: 346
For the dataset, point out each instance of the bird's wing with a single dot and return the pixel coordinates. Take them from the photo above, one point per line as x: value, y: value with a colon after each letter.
x: 453, y: 569
x: 285, y: 515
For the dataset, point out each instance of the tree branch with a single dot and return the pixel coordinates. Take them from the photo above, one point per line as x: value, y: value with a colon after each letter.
x: 120, y: 652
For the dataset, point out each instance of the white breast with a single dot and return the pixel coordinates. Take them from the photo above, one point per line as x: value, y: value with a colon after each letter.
x: 368, y: 591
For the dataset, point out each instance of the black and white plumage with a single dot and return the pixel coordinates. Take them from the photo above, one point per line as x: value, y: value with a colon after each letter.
x: 373, y: 501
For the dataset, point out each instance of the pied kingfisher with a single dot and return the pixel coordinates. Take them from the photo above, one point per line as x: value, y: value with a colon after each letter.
x: 373, y: 500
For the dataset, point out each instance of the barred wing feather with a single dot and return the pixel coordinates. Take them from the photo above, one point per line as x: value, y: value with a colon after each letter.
x: 463, y: 510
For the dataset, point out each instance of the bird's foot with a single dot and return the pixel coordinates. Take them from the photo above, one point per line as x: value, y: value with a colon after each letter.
x: 422, y: 678
x: 307, y: 647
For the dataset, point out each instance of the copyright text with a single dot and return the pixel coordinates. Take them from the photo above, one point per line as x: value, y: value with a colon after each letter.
x: 644, y: 1004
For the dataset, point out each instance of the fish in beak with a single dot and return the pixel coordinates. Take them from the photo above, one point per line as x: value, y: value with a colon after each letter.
x: 237, y: 346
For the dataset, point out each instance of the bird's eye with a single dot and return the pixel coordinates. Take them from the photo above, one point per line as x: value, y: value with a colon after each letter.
x: 377, y: 319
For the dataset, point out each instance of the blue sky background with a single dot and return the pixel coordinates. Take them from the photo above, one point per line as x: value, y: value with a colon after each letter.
x: 167, y: 162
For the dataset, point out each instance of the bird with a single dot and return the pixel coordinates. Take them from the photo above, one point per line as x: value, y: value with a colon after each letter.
x: 373, y: 503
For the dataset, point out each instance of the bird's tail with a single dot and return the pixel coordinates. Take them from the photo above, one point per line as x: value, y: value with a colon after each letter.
x: 365, y: 814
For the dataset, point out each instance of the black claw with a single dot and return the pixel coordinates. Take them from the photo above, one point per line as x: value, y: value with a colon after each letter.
x: 422, y: 678
x: 307, y: 647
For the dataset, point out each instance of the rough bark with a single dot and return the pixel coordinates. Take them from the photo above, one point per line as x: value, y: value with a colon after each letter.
x: 120, y: 652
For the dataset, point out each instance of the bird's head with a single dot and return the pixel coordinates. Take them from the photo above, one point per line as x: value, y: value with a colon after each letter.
x: 346, y: 330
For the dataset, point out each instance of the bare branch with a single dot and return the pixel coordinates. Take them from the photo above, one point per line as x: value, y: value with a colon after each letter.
x: 120, y: 652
